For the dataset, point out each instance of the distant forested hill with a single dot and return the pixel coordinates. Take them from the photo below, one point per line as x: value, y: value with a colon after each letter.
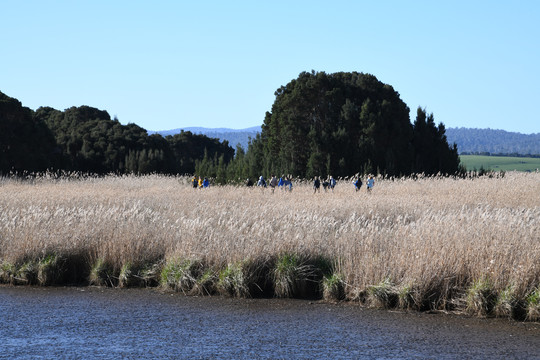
x: 484, y: 141
x: 86, y: 139
x: 233, y: 136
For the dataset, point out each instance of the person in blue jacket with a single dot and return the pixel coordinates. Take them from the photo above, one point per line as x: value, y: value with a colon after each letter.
x: 281, y: 182
x: 332, y: 183
x: 357, y: 184
x: 370, y: 183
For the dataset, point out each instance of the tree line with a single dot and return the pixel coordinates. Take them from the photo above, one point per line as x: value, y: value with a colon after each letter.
x: 85, y: 139
x: 320, y: 124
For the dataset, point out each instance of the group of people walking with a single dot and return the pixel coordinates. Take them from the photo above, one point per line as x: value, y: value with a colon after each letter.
x: 369, y: 184
x: 286, y: 183
x: 330, y: 184
x: 281, y: 183
x: 199, y: 183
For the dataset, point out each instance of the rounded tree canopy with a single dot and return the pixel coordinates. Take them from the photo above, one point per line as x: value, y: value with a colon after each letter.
x: 337, y: 124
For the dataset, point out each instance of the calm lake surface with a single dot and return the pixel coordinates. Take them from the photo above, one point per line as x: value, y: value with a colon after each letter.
x: 102, y: 323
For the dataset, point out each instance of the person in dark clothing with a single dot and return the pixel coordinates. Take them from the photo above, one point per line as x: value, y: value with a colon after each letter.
x: 316, y: 185
x: 357, y: 184
x: 332, y: 183
x: 325, y: 185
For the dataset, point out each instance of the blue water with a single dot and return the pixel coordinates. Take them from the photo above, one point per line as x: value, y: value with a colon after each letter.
x: 102, y: 323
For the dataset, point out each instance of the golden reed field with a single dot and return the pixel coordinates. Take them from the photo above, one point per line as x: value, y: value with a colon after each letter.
x: 467, y: 245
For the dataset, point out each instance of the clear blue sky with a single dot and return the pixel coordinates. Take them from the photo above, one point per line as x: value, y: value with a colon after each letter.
x: 172, y: 64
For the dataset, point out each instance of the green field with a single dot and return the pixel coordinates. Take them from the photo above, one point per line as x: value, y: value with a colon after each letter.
x: 500, y: 163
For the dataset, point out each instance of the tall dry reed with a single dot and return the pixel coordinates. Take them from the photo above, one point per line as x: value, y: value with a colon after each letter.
x: 428, y: 240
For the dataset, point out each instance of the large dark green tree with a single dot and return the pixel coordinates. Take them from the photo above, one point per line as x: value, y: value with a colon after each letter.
x: 26, y: 144
x: 339, y: 124
x: 432, y: 154
x: 347, y: 123
x: 189, y: 149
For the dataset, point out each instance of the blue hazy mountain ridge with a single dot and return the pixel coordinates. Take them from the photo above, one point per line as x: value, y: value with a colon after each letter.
x: 203, y: 130
x: 468, y: 140
x: 233, y: 136
x: 492, y: 141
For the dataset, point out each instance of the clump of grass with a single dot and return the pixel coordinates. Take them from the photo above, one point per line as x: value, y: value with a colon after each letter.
x: 169, y: 274
x: 506, y: 302
x: 533, y: 305
x: 27, y: 273
x: 139, y: 275
x: 384, y: 294
x: 205, y: 284
x: 181, y: 274
x: 480, y: 298
x: 438, y: 292
x: 101, y: 274
x: 247, y: 278
x: 149, y: 273
x: 232, y: 281
x: 293, y: 277
x: 333, y: 287
x: 7, y: 272
x: 406, y: 298
x: 126, y: 278
x: 146, y: 274
x: 50, y: 270
x: 46, y: 271
x: 356, y: 294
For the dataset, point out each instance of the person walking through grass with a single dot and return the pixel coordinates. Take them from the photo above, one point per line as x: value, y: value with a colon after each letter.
x: 357, y: 184
x: 281, y: 182
x: 332, y: 183
x: 273, y: 183
x: 370, y: 183
x: 325, y: 185
x: 316, y: 185
x: 288, y: 182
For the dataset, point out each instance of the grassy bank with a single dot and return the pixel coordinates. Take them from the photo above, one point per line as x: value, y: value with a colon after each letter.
x: 470, y: 245
x: 500, y: 163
